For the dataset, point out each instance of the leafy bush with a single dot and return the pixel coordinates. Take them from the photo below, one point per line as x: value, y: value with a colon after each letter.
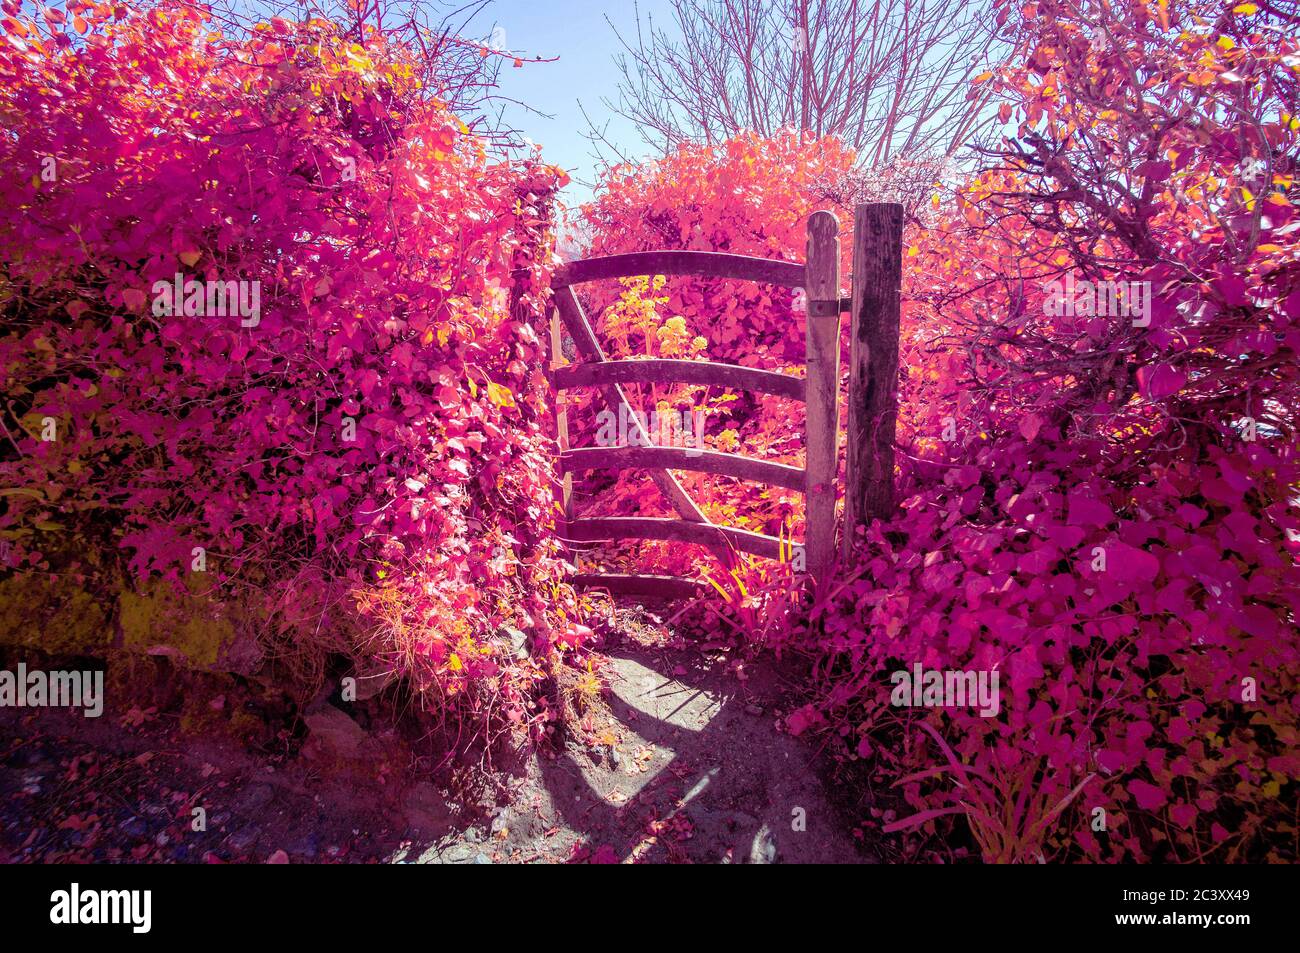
x: 360, y: 449
x: 747, y: 196
x: 1101, y: 506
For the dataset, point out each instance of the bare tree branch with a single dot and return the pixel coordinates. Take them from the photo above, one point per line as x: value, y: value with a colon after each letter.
x: 890, y: 79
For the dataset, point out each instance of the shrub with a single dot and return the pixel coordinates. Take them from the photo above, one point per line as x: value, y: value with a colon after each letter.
x: 1101, y: 507
x: 360, y: 450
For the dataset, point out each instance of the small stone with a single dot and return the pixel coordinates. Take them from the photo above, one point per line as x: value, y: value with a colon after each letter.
x: 458, y: 854
x: 518, y: 640
x: 754, y: 710
x: 336, y: 733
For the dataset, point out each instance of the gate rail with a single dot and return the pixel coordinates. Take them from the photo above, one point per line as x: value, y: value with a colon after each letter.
x: 872, y: 391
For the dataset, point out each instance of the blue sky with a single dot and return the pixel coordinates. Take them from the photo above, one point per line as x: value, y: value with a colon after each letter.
x: 577, y: 32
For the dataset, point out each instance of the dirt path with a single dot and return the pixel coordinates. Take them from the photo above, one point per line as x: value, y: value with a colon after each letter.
x: 688, y: 764
x: 697, y: 771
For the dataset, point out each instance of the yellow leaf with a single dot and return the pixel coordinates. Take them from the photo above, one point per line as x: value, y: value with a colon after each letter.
x: 454, y: 662
x: 1245, y: 8
x: 49, y: 526
x: 190, y: 257
x: 500, y: 395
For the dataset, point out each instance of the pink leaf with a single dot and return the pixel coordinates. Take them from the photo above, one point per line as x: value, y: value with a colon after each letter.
x: 1149, y: 797
x: 1085, y: 511
x: 1030, y: 425
x: 1161, y: 381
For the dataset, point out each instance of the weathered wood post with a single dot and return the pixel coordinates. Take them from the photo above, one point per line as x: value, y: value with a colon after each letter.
x: 873, y: 365
x: 565, y: 492
x: 822, y: 290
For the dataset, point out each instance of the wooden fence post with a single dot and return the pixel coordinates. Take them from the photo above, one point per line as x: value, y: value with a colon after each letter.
x: 565, y: 493
x: 822, y: 290
x: 873, y: 365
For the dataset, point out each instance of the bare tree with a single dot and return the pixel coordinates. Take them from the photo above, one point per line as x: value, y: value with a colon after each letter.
x: 891, y: 79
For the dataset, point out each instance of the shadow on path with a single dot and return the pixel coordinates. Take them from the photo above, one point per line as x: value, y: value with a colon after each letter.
x: 700, y: 771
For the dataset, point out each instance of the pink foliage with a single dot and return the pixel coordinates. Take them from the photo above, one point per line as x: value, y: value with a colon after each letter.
x: 369, y: 439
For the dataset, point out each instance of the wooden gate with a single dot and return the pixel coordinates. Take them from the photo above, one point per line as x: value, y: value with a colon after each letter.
x: 877, y: 267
